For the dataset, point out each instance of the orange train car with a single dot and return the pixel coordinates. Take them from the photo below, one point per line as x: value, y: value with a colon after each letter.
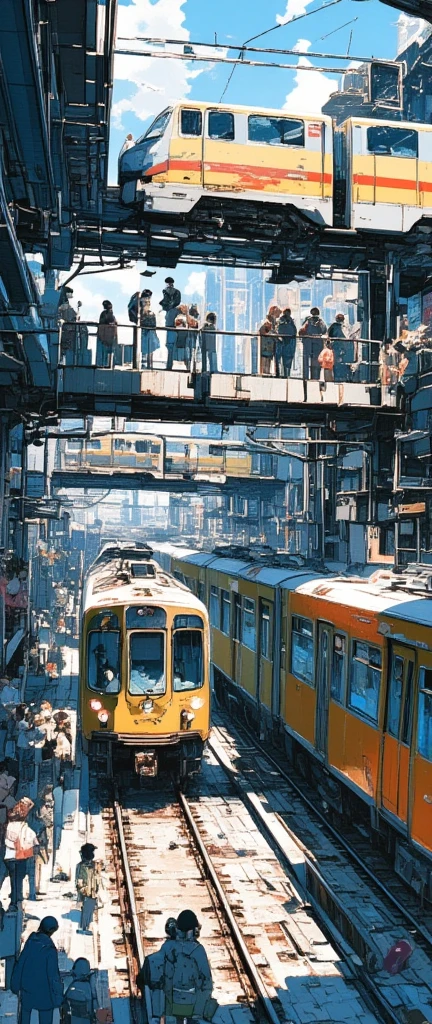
x: 340, y: 669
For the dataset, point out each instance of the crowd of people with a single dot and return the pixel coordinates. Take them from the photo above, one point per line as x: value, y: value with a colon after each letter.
x: 323, y: 353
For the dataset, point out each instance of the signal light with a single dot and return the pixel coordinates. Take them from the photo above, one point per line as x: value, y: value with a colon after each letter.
x: 103, y: 716
x: 95, y: 705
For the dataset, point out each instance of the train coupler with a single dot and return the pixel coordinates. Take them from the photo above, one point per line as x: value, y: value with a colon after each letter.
x: 146, y: 764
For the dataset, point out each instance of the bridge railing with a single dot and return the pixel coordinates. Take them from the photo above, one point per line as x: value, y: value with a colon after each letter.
x: 192, y: 351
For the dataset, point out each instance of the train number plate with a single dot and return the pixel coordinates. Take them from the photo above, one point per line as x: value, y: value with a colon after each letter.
x: 146, y: 763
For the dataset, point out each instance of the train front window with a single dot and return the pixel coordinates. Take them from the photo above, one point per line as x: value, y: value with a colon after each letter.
x: 384, y: 140
x: 147, y: 663
x: 275, y: 131
x: 187, y: 660
x: 365, y: 680
x: 157, y: 129
x: 424, y: 725
x: 103, y: 660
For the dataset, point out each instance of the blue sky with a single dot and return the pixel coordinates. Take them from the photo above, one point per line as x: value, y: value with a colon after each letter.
x: 144, y: 86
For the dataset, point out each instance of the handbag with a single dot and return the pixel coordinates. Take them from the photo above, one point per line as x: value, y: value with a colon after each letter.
x: 23, y: 849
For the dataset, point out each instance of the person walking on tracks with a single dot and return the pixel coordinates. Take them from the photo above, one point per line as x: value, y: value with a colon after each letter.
x: 178, y: 979
x: 36, y: 977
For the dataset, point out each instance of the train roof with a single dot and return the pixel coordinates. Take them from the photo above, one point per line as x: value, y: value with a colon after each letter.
x: 112, y: 582
x: 380, y: 597
x: 373, y: 122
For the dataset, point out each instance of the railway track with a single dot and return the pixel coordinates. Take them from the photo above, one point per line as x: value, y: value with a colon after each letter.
x: 367, y: 910
x: 270, y: 961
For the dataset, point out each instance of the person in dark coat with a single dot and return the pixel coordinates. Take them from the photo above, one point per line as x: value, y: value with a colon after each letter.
x: 36, y: 977
x: 170, y: 303
x: 343, y: 349
x: 107, y: 349
x: 312, y: 333
x: 285, y: 344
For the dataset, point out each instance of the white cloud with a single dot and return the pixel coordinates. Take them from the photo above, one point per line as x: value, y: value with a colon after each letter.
x: 154, y: 83
x: 195, y: 284
x: 312, y: 88
x: 294, y: 9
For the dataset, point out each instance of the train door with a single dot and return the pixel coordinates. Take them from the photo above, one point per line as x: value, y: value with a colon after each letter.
x: 236, y: 637
x: 263, y: 667
x: 421, y: 787
x: 221, y: 154
x: 384, y: 175
x: 398, y: 731
x: 186, y: 150
x: 325, y: 634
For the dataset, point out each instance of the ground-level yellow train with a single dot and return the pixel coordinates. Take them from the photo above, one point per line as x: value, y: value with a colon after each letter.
x: 338, y: 668
x: 144, y: 664
x: 366, y: 174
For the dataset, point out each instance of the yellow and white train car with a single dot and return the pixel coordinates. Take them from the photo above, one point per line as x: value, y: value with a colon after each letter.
x: 144, y: 663
x: 371, y: 175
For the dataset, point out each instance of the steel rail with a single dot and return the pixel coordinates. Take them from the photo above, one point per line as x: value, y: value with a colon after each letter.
x: 250, y: 968
x: 129, y: 883
x: 371, y: 993
x: 424, y: 932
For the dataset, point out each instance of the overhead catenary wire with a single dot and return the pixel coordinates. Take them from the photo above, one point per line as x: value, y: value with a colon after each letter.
x: 166, y: 55
x: 289, y: 51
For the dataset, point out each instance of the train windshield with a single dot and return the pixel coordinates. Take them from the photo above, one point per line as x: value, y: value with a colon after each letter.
x: 103, y: 660
x: 147, y: 663
x: 187, y: 660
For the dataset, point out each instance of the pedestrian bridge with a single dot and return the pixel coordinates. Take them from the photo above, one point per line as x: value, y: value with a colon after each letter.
x: 136, y: 384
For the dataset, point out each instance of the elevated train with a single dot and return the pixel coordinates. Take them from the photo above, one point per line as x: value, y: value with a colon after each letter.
x: 144, y: 664
x: 338, y: 669
x: 366, y: 174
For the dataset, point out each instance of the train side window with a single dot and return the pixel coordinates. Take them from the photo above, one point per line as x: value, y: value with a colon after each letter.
x: 95, y: 444
x: 103, y: 660
x: 141, y: 447
x: 276, y: 131
x: 190, y: 122
x: 302, y: 649
x: 249, y: 627
x: 337, y: 685
x: 365, y: 680
x: 221, y: 125
x: 265, y: 630
x: 187, y: 660
x: 384, y: 140
x: 408, y: 705
x: 395, y: 695
x: 225, y: 612
x: 424, y: 725
x: 201, y: 591
x: 214, y: 607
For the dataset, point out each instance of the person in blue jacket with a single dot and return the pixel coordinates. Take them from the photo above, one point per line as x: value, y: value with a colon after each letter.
x: 36, y: 977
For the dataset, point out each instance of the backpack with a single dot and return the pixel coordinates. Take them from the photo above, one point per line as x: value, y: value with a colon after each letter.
x: 133, y: 309
x: 79, y: 1001
x: 184, y: 980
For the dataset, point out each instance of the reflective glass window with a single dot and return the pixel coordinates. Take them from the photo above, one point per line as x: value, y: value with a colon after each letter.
x: 408, y: 705
x: 395, y: 695
x: 214, y: 607
x: 265, y: 630
x: 384, y: 140
x: 191, y: 122
x: 302, y: 649
x: 103, y: 660
x: 187, y: 660
x: 237, y: 618
x: 158, y: 127
x: 225, y: 611
x: 221, y: 125
x: 143, y: 616
x: 275, y: 131
x: 188, y: 622
x: 424, y: 725
x: 147, y: 663
x: 249, y: 628
x: 337, y: 682
x: 365, y: 680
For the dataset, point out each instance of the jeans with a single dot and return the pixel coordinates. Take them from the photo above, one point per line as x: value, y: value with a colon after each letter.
x: 17, y: 870
x: 87, y: 910
x: 170, y: 356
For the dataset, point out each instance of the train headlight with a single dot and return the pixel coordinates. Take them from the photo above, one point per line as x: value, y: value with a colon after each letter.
x: 147, y: 705
x: 103, y: 716
x: 196, y: 703
x: 96, y: 705
x: 186, y: 719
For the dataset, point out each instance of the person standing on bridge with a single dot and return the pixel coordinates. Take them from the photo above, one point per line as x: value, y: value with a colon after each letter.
x: 312, y: 332
x: 149, y: 338
x: 170, y: 302
x: 107, y: 349
x: 343, y: 350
